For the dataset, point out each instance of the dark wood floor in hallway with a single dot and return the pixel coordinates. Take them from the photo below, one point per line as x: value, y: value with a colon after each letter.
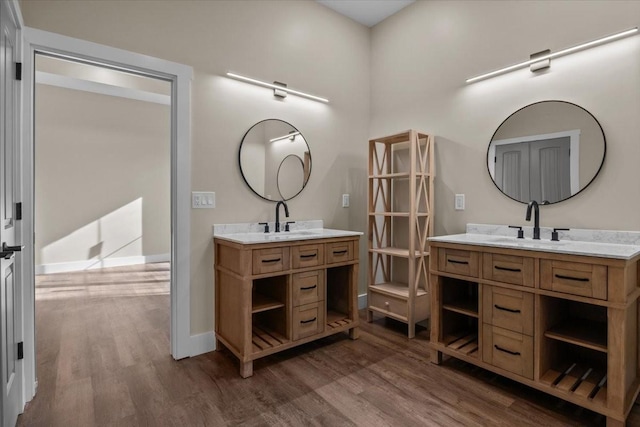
x: 103, y: 360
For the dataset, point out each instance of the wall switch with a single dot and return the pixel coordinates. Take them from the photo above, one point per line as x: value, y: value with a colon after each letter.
x: 459, y: 202
x: 345, y: 200
x: 203, y: 200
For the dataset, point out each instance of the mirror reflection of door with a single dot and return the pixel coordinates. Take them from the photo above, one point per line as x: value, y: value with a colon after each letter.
x: 535, y: 170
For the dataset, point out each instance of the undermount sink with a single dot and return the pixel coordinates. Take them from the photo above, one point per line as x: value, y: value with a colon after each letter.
x: 528, y: 242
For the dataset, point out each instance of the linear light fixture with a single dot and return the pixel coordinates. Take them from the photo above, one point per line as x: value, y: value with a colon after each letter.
x: 290, y: 136
x: 277, y: 87
x: 556, y: 54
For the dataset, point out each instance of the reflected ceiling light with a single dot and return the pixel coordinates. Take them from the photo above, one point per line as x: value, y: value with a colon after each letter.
x: 280, y: 89
x: 546, y: 56
x: 291, y: 137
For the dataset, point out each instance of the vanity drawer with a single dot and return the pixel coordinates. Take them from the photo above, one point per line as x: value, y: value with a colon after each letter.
x: 270, y: 260
x: 388, y: 304
x: 339, y: 252
x: 574, y: 278
x: 307, y: 255
x: 308, y: 320
x: 456, y: 261
x: 516, y: 270
x: 308, y: 287
x: 508, y: 309
x: 508, y: 350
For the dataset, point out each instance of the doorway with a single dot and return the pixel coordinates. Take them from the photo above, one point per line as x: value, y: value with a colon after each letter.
x: 50, y: 44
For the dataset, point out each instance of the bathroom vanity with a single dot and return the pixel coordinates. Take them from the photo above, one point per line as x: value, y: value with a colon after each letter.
x: 561, y: 317
x: 275, y: 291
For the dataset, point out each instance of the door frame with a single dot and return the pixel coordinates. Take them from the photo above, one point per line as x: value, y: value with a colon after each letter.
x: 38, y: 41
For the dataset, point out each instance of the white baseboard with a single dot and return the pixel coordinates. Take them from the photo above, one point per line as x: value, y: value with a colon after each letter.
x: 202, y: 343
x: 362, y: 301
x: 64, y: 267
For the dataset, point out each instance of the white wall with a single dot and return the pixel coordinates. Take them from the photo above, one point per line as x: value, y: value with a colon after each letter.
x: 301, y: 43
x: 102, y: 187
x: 422, y: 56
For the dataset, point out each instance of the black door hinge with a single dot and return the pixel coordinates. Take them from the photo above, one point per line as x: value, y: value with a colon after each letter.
x: 18, y: 70
x: 20, y: 350
x: 18, y: 211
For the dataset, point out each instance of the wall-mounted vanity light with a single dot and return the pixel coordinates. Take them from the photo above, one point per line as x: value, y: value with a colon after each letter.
x: 279, y: 89
x: 291, y: 136
x: 541, y: 60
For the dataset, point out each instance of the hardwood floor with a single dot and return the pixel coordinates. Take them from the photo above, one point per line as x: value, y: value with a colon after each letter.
x: 103, y: 359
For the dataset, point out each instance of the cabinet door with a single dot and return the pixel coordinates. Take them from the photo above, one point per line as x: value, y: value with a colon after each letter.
x: 457, y: 261
x: 308, y: 320
x: 339, y: 252
x: 508, y: 309
x: 508, y: 350
x: 512, y: 269
x: 270, y: 260
x: 307, y: 255
x: 574, y: 278
x: 308, y: 287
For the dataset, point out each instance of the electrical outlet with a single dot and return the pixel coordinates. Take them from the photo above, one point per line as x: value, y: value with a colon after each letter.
x: 459, y: 202
x: 203, y: 200
x: 345, y: 200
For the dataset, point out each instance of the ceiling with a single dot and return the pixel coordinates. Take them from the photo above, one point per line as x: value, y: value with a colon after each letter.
x: 367, y: 12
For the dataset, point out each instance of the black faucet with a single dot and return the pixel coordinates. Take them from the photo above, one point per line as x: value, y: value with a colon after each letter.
x: 536, y: 219
x: 286, y: 213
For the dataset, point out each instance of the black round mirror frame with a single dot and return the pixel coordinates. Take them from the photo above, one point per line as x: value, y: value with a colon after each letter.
x: 306, y: 177
x: 604, y: 153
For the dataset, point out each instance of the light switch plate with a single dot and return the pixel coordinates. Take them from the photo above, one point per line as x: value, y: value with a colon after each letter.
x: 203, y: 200
x: 345, y: 200
x: 459, y: 202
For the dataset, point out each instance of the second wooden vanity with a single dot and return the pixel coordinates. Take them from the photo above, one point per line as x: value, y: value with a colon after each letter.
x: 275, y: 295
x: 562, y: 323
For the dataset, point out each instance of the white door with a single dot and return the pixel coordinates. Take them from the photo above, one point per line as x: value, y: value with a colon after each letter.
x: 10, y: 289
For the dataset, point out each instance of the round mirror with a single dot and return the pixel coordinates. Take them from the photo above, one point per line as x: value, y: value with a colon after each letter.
x: 275, y: 160
x: 547, y: 152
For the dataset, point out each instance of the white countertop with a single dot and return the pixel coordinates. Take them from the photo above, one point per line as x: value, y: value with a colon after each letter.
x: 252, y: 237
x: 572, y: 247
x: 319, y: 233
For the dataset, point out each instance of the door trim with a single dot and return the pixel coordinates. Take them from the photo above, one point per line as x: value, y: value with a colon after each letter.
x: 38, y: 41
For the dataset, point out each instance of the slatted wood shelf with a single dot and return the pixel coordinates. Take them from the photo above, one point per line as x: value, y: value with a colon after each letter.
x: 264, y: 339
x: 465, y: 342
x: 335, y: 319
x: 579, y: 380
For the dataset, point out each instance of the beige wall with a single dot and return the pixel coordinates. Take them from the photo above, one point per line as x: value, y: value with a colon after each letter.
x: 301, y: 43
x: 407, y: 72
x: 422, y: 56
x: 102, y: 177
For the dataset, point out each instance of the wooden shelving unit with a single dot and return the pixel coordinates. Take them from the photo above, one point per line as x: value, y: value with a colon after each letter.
x: 401, y: 190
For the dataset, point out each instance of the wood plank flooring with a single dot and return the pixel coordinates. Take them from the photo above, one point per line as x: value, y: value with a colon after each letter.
x: 103, y: 360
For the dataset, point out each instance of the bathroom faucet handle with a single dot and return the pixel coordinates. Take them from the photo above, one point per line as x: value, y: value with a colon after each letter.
x: 554, y: 233
x: 266, y: 226
x: 286, y: 225
x: 520, y: 231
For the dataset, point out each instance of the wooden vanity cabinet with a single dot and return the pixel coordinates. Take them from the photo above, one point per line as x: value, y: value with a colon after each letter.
x: 273, y: 296
x: 563, y: 324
